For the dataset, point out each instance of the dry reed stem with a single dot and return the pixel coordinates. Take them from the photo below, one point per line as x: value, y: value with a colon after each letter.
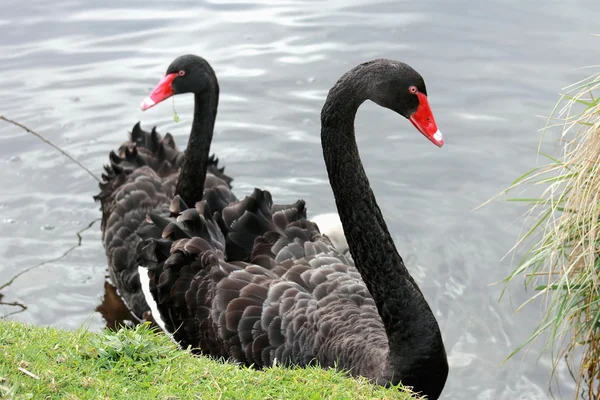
x: 43, y: 139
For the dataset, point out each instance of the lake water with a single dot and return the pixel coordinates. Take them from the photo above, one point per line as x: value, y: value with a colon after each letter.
x: 76, y: 73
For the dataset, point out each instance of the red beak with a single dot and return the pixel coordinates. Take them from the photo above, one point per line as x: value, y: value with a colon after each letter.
x: 161, y: 92
x: 423, y: 120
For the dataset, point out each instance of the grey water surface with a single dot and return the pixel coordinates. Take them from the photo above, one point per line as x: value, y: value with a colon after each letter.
x: 77, y: 70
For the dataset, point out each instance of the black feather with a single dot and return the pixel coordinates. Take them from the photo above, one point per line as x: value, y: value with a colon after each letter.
x: 139, y: 182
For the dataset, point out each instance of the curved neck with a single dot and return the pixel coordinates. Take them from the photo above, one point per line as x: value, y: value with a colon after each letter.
x: 416, y: 350
x: 190, y: 185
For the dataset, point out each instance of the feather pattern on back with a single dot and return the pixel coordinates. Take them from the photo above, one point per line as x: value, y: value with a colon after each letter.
x: 297, y: 300
x: 140, y: 179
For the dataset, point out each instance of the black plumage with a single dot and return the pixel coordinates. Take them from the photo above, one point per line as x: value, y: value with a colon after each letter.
x: 262, y: 285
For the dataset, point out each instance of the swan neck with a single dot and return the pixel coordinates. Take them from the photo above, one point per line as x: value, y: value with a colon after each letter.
x: 190, y: 185
x: 368, y: 238
x: 412, y: 330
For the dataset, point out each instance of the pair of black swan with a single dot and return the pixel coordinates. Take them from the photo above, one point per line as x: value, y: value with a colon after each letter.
x: 254, y: 282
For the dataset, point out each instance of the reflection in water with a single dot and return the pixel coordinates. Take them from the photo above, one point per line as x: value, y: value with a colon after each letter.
x: 113, y: 310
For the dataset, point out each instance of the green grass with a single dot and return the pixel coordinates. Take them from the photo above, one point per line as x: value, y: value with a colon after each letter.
x: 562, y: 240
x: 48, y: 363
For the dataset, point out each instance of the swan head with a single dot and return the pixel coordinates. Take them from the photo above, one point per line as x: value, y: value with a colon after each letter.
x: 186, y: 74
x: 397, y: 86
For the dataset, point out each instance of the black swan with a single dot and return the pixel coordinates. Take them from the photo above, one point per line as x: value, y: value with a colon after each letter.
x: 299, y: 301
x: 149, y: 171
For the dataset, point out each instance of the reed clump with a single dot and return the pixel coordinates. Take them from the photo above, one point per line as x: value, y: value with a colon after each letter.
x: 562, y: 241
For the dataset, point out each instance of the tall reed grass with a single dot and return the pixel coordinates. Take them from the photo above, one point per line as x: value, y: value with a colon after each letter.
x: 562, y: 241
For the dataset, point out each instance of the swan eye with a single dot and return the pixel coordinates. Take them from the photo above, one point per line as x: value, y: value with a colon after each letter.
x: 413, y: 89
x: 181, y: 73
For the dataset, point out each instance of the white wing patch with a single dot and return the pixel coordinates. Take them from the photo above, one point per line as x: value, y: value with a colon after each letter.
x: 145, y: 283
x: 330, y: 225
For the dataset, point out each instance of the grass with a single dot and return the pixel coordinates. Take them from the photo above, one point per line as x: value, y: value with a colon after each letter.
x: 137, y: 363
x: 562, y: 259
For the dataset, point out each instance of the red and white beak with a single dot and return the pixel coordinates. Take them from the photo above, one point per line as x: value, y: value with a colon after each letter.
x: 161, y: 92
x: 423, y: 120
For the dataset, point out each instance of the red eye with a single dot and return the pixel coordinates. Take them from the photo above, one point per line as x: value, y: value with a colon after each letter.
x: 181, y: 73
x: 412, y: 89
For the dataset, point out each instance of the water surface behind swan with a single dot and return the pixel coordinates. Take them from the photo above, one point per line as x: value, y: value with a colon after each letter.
x: 77, y: 74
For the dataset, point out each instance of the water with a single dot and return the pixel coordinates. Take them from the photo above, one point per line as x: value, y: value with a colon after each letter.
x: 76, y: 73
